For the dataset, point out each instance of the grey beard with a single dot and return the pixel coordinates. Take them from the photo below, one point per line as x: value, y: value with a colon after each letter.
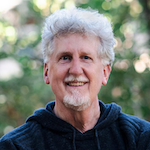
x: 76, y: 102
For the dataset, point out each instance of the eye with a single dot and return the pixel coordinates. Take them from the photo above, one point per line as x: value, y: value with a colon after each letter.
x: 86, y: 57
x: 65, y: 58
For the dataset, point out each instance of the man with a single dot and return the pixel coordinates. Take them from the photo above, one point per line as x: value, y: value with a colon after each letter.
x: 78, y: 54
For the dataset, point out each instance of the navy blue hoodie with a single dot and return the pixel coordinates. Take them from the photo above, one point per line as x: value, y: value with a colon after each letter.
x: 113, y: 131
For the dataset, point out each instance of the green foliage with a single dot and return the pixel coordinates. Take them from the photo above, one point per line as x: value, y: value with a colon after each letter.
x: 25, y: 90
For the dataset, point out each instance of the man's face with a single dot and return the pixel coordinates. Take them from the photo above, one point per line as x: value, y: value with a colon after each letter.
x: 75, y: 71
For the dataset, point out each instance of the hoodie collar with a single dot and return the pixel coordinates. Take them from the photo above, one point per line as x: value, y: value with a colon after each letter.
x: 47, y: 119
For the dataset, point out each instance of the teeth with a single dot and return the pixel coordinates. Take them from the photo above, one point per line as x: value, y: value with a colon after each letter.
x: 76, y: 84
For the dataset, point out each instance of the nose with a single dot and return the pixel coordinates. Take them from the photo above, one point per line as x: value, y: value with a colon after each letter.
x: 75, y: 67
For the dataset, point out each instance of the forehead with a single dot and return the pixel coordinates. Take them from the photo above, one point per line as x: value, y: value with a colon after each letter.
x: 76, y: 42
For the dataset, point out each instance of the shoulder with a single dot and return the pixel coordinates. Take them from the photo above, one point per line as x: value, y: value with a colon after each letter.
x: 21, y: 131
x: 135, y: 129
x: 134, y: 123
x: 20, y: 136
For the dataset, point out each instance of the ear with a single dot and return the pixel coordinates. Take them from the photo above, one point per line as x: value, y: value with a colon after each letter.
x: 46, y: 77
x: 107, y: 70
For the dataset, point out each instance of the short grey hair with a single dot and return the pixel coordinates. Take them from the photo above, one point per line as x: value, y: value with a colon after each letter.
x: 78, y: 20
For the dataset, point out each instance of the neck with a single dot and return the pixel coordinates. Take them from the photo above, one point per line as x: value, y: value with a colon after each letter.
x: 81, y: 120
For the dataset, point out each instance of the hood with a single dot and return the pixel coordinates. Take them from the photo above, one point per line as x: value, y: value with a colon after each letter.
x: 46, y: 117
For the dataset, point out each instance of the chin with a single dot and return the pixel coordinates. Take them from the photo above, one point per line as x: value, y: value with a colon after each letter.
x: 76, y: 102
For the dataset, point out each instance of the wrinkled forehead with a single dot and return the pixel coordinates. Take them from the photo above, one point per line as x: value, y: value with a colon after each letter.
x: 87, y: 37
x: 76, y: 42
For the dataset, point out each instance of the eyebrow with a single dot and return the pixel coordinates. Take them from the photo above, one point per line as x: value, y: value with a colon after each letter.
x: 85, y: 53
x: 70, y: 53
x: 62, y: 54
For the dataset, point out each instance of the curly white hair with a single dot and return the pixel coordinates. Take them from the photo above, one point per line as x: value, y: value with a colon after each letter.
x: 83, y: 21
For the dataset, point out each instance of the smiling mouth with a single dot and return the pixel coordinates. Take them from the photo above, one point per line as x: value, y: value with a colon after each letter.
x: 76, y: 83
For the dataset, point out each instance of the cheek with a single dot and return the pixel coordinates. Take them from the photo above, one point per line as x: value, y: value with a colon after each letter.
x: 57, y: 75
x: 97, y: 80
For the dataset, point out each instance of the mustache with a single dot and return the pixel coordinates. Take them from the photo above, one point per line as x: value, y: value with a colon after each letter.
x: 74, y: 78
